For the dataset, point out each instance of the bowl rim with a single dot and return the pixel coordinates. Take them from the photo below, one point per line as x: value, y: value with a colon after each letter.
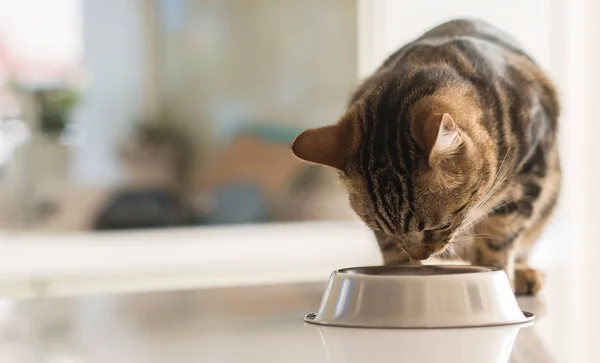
x: 429, y: 271
x: 528, y: 320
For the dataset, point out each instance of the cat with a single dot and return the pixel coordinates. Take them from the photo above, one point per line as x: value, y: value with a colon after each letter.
x: 450, y: 145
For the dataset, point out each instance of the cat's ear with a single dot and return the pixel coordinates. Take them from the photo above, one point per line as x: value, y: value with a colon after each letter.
x: 438, y: 135
x: 328, y: 145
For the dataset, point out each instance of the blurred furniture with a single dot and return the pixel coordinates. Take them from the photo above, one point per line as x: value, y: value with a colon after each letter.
x: 269, y: 165
x: 146, y: 208
x: 256, y: 178
x: 157, y: 161
x: 236, y: 203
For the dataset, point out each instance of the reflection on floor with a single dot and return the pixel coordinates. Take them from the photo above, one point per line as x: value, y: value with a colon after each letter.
x: 256, y: 324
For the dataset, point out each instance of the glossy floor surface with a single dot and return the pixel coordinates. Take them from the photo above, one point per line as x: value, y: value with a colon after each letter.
x: 264, y: 324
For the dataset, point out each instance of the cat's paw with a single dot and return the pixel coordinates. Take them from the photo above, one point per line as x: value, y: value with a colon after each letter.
x: 527, y: 281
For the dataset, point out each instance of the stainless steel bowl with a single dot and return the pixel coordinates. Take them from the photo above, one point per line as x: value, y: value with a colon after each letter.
x: 418, y: 297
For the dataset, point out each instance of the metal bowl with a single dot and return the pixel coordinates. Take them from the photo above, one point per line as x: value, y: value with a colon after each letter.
x: 419, y: 297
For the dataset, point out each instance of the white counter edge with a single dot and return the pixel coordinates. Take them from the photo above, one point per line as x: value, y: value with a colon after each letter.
x: 34, y: 266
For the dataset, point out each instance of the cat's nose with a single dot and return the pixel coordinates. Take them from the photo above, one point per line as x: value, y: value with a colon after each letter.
x: 418, y: 252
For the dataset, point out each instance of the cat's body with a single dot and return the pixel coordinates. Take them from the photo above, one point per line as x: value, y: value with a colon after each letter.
x: 453, y: 141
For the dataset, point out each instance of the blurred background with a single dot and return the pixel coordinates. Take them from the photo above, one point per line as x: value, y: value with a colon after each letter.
x: 142, y: 114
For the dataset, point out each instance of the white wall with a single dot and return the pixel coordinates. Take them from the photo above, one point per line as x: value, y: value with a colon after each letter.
x: 113, y: 57
x: 588, y: 130
x: 396, y: 22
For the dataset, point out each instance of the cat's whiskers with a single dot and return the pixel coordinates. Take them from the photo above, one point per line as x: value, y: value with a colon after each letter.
x: 489, y: 193
x: 455, y: 254
x: 472, y: 223
x: 461, y: 243
x: 494, y: 186
x: 496, y: 182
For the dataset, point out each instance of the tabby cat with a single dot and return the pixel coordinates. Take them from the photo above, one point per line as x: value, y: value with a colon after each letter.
x: 450, y: 145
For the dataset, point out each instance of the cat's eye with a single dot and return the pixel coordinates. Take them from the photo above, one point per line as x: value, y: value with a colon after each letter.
x: 421, y: 227
x: 445, y: 227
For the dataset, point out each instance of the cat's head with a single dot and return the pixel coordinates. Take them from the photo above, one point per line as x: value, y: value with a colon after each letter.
x: 414, y: 170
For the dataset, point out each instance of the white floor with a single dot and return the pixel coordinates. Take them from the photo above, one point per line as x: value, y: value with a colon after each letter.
x: 264, y: 324
x: 242, y: 294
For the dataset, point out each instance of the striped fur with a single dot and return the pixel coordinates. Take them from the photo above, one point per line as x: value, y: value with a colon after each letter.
x: 491, y: 195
